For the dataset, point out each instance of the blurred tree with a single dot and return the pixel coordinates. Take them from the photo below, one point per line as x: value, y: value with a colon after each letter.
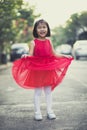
x: 16, y: 20
x: 83, y: 21
x: 8, y: 11
x: 72, y: 26
x: 75, y: 25
x: 24, y: 24
x: 58, y: 36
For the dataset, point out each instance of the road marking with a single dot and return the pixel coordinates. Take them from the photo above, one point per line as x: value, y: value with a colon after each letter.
x: 10, y: 88
x: 73, y: 102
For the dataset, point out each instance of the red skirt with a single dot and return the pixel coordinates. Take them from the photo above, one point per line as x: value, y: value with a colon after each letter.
x: 32, y: 72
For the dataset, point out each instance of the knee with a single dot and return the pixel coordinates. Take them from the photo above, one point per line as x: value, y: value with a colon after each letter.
x: 38, y: 92
x: 47, y: 90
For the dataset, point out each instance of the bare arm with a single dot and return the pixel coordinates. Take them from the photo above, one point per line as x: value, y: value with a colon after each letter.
x: 31, y: 48
x: 53, y: 50
x: 59, y: 55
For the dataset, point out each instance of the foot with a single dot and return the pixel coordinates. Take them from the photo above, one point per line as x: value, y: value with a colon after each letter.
x: 38, y: 117
x: 51, y: 116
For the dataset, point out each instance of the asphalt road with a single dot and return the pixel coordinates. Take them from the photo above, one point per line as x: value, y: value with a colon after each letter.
x: 69, y: 102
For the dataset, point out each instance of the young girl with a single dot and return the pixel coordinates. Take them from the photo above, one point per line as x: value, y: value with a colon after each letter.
x: 42, y: 69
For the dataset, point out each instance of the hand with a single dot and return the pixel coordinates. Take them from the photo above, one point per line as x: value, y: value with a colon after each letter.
x: 68, y: 56
x: 24, y: 56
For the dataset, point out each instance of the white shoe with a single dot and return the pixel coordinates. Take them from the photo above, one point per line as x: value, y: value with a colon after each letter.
x: 38, y: 116
x: 51, y: 116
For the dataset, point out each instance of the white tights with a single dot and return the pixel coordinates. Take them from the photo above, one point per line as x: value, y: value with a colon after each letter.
x: 48, y: 95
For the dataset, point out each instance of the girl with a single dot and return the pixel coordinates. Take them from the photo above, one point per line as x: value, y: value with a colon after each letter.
x: 42, y: 69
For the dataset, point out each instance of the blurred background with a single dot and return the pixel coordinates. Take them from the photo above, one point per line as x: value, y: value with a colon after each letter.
x: 68, y: 23
x: 67, y: 20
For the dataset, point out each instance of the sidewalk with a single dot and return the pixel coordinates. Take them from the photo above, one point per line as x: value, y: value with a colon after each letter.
x: 5, y: 66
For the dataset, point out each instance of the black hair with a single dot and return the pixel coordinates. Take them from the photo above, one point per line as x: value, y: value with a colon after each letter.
x: 35, y: 28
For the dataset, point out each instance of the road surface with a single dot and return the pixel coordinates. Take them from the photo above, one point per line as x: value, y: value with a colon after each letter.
x: 69, y: 102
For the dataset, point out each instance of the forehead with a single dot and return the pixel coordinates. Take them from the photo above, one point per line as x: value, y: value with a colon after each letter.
x: 41, y: 24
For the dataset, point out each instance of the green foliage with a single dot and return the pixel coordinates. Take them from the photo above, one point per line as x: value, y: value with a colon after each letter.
x: 83, y: 20
x: 7, y: 14
x: 75, y: 25
x: 8, y: 10
x: 16, y: 21
x: 58, y: 36
x: 25, y: 23
x: 15, y: 18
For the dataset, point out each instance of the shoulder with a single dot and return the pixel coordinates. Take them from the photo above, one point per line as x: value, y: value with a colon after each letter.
x: 32, y: 43
x: 49, y: 40
x: 31, y: 47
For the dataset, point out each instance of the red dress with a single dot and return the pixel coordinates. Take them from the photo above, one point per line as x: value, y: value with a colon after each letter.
x: 42, y: 69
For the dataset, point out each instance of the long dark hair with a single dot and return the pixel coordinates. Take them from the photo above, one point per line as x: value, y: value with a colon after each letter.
x: 35, y: 28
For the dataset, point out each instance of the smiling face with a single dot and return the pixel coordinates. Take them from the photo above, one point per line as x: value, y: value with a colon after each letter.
x: 42, y: 30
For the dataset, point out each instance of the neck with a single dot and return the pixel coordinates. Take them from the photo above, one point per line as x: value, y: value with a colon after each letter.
x: 42, y: 39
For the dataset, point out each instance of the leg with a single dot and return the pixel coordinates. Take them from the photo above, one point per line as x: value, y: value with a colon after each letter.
x: 37, y: 95
x: 48, y: 94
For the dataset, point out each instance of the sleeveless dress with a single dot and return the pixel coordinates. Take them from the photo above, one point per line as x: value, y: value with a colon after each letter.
x: 42, y: 69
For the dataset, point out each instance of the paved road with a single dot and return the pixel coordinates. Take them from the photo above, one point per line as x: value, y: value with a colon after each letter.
x: 70, y: 103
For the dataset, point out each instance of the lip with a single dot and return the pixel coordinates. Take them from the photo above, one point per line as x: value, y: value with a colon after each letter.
x: 42, y: 33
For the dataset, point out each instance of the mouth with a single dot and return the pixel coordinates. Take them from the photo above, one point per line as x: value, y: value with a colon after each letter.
x: 42, y: 33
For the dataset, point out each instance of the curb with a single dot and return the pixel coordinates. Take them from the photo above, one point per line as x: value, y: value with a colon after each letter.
x: 5, y: 66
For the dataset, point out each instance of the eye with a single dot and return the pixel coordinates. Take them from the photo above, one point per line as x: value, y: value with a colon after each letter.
x: 44, y: 26
x: 39, y: 27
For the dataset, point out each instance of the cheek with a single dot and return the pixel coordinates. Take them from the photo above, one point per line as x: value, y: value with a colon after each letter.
x: 46, y: 30
x: 38, y: 30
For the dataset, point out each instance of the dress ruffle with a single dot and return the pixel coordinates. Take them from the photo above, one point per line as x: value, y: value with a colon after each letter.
x: 34, y: 71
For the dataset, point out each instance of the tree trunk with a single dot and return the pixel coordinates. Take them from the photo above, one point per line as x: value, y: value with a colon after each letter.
x: 3, y: 56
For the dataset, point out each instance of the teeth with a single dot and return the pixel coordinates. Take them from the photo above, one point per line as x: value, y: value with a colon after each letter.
x: 42, y: 33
